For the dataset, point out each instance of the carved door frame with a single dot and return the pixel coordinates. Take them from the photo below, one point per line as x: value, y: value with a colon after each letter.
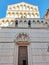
x: 21, y: 40
x: 16, y: 53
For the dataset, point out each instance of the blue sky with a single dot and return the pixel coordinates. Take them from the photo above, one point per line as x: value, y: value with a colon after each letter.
x: 42, y: 4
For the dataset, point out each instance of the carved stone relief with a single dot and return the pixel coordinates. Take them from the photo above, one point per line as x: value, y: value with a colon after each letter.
x: 22, y: 37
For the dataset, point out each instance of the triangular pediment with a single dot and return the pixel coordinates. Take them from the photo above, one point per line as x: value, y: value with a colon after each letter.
x: 22, y: 5
x: 23, y: 10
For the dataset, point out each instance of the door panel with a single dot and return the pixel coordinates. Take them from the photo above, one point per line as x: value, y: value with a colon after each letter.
x: 22, y: 55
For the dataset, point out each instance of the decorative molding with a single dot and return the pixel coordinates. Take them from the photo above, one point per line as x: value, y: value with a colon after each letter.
x: 25, y: 43
x: 22, y: 37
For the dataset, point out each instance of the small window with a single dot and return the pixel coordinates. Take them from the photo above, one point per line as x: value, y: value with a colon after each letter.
x: 38, y: 21
x: 29, y: 23
x: 46, y: 23
x: 25, y: 21
x: 16, y: 23
x: 33, y: 20
x: 48, y: 49
x: 41, y: 21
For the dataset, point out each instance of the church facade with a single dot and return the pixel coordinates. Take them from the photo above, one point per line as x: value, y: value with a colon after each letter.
x: 24, y: 36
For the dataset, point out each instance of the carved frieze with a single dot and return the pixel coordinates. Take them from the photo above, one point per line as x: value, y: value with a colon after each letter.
x: 22, y: 37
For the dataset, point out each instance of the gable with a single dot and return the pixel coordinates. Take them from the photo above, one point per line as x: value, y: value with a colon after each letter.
x: 23, y: 6
x: 22, y: 10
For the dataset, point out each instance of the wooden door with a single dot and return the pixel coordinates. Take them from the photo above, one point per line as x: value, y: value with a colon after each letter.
x: 22, y: 55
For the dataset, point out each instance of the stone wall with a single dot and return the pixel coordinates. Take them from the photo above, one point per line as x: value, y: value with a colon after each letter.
x: 39, y: 54
x: 37, y: 50
x: 6, y: 53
